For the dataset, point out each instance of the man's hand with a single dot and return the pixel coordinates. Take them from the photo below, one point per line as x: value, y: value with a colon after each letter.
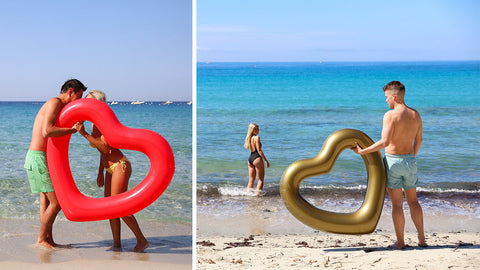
x: 80, y: 128
x: 357, y: 149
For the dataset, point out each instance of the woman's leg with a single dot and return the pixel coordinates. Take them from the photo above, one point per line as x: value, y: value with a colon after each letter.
x: 251, y: 175
x: 132, y: 223
x: 115, y: 222
x: 260, y: 170
x: 120, y: 185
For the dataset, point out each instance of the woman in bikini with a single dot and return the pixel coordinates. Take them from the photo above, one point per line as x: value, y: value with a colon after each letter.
x: 118, y: 169
x: 256, y: 167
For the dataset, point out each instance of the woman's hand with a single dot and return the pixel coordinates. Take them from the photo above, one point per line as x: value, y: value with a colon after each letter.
x: 100, y: 180
x: 80, y: 128
x: 268, y: 164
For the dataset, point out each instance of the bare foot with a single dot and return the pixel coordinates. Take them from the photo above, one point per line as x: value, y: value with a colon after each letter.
x: 397, y: 246
x: 141, y: 246
x: 113, y: 248
x: 421, y: 242
x: 63, y: 246
x: 45, y: 244
x: 53, y: 244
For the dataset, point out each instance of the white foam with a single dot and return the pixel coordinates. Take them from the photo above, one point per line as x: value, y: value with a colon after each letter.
x: 237, y: 191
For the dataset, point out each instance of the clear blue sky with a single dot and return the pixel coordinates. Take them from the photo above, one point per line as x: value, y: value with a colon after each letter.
x: 347, y: 30
x: 129, y: 49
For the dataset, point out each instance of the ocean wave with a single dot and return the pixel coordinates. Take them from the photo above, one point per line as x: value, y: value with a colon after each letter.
x: 441, y: 190
x: 228, y: 200
x: 449, y: 187
x: 233, y: 191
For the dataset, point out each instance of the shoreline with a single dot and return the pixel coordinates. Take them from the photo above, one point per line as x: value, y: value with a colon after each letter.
x: 223, y: 216
x: 170, y: 246
x: 262, y: 234
x: 460, y: 250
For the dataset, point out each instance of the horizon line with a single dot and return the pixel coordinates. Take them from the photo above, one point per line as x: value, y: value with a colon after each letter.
x: 337, y: 61
x: 120, y: 101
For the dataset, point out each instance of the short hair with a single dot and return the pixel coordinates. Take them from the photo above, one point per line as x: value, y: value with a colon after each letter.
x: 99, y: 95
x: 395, y: 86
x: 75, y: 84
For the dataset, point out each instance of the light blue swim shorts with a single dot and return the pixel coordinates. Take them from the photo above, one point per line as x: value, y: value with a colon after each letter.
x: 401, y: 171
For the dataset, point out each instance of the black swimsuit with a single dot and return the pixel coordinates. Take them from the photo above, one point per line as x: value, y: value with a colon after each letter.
x: 253, y: 155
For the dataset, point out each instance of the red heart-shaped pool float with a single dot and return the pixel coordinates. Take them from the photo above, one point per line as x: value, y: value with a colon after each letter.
x: 78, y: 207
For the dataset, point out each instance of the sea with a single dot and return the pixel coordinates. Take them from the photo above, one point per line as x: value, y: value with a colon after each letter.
x: 298, y: 105
x: 173, y: 121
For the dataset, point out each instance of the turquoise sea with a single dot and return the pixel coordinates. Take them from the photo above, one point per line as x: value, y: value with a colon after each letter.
x: 298, y: 105
x: 172, y: 121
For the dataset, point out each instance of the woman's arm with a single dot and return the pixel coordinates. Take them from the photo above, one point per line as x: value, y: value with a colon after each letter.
x: 101, y: 145
x: 100, y: 176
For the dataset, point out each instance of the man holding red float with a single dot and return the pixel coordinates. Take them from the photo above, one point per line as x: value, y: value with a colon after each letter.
x: 36, y: 159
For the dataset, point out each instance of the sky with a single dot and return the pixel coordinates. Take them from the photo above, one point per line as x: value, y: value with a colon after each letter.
x: 131, y: 50
x: 347, y: 30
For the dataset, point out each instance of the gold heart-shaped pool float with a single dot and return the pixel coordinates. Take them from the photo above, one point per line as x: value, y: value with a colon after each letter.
x: 365, y: 219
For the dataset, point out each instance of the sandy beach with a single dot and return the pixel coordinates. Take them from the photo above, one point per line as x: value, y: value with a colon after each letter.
x: 454, y: 250
x: 264, y: 235
x: 170, y: 246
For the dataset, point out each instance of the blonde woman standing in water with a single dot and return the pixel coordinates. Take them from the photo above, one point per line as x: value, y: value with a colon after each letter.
x: 256, y: 167
x: 118, y: 169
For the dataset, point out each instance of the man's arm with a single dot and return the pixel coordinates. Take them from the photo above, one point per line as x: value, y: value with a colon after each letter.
x: 387, y: 133
x: 418, y: 137
x: 52, y: 107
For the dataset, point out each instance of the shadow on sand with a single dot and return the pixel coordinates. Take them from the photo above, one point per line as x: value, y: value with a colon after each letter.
x: 179, y: 244
x: 374, y: 249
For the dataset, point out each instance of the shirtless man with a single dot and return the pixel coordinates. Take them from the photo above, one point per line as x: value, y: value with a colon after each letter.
x: 401, y: 138
x: 36, y: 159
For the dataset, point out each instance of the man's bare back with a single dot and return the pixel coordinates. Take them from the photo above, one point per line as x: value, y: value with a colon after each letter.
x: 402, y: 129
x: 401, y: 138
x: 406, y: 127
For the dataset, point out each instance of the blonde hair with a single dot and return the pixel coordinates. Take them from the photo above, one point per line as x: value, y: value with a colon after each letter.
x: 251, y: 127
x: 97, y: 94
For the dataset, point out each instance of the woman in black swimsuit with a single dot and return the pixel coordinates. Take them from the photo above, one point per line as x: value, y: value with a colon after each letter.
x: 256, y: 167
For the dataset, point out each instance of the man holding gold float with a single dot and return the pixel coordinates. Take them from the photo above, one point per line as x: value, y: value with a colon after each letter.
x: 401, y: 138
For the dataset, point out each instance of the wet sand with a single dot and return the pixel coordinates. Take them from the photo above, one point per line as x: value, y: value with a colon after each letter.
x: 170, y: 246
x: 263, y: 235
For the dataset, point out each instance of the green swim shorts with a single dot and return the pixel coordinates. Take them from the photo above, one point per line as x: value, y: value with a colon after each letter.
x: 37, y: 170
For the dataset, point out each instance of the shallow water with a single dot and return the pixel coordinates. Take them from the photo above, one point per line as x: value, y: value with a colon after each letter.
x: 298, y: 105
x: 174, y: 205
